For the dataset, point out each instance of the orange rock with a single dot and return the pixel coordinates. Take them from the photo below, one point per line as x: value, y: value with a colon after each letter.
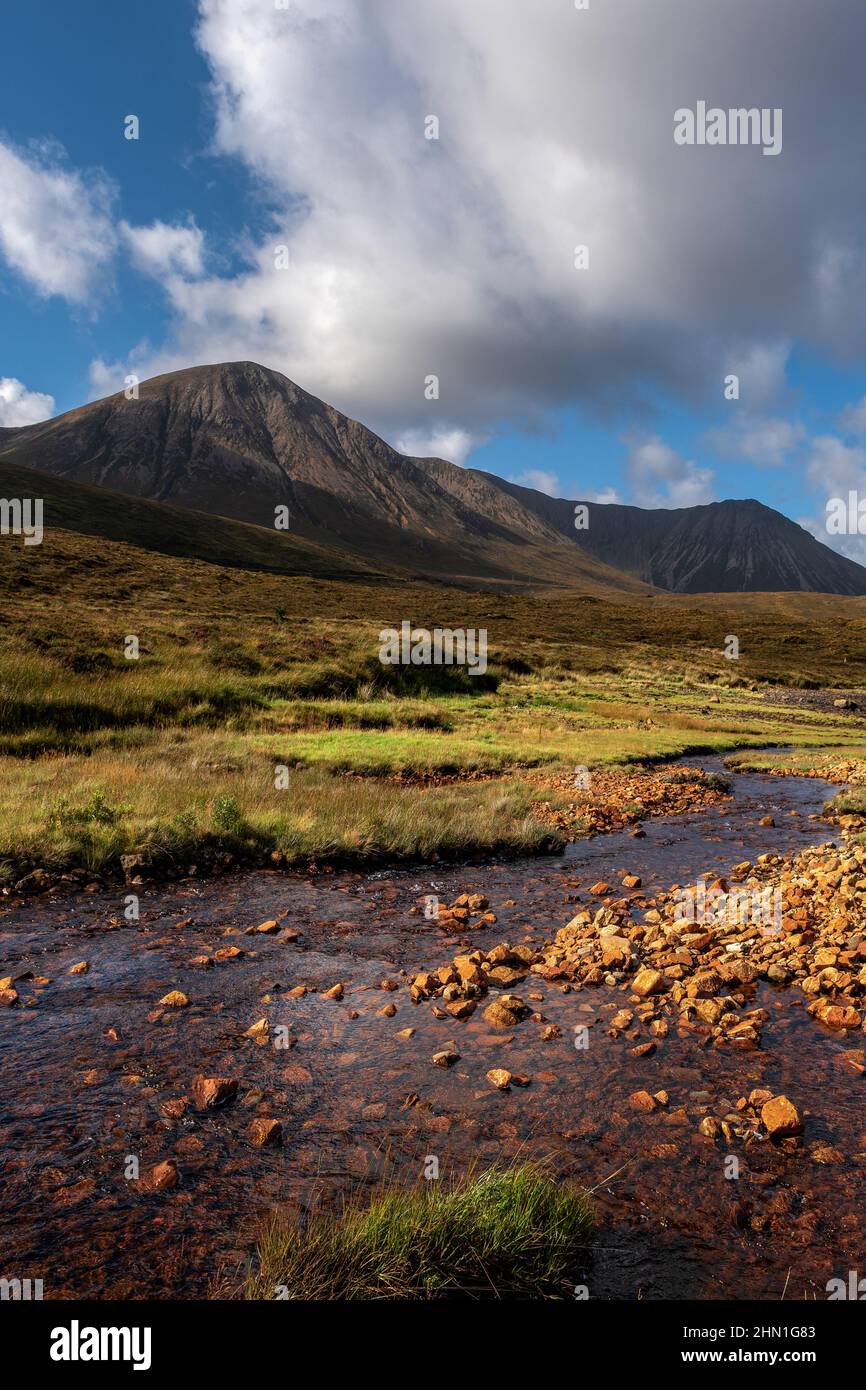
x: 262, y: 1132
x: 781, y: 1118
x: 165, y: 1175
x: 175, y: 999
x: 212, y: 1091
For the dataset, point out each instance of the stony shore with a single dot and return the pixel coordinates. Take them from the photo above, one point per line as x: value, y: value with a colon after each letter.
x: 695, y: 973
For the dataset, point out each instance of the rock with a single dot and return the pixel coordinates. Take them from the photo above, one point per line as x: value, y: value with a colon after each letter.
x: 446, y: 1056
x: 405, y: 1034
x: 261, y: 1132
x: 135, y: 865
x: 781, y: 1118
x: 386, y: 1011
x: 505, y: 1011
x: 505, y: 975
x: 39, y: 881
x: 839, y: 1016
x: 335, y: 992
x: 600, y: 889
x: 766, y: 820
x: 175, y: 1109
x: 551, y: 1033
x: 269, y: 928
x: 759, y: 1097
x: 209, y: 1092
x: 259, y: 1032
x: 228, y: 953
x: 631, y: 881
x: 647, y: 982
x: 81, y: 968
x: 642, y: 1100
x: 616, y: 951
x: 461, y: 1008
x: 165, y: 1175
x: 175, y: 999
x: 8, y: 997
x: 500, y: 1078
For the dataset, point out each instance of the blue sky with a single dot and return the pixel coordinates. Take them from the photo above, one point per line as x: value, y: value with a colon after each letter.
x: 303, y: 125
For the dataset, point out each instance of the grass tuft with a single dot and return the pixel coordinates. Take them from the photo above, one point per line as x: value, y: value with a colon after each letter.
x: 511, y: 1231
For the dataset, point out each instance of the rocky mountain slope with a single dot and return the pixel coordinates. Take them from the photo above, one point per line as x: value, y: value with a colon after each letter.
x: 239, y: 440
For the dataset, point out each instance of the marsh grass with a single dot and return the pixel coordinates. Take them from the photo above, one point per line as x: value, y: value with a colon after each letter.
x: 509, y: 1232
x: 241, y: 670
x: 177, y: 805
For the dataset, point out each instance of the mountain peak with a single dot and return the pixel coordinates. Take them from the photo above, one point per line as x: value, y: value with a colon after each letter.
x: 239, y: 439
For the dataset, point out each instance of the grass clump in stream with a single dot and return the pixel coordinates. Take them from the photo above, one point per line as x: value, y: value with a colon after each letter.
x: 510, y: 1231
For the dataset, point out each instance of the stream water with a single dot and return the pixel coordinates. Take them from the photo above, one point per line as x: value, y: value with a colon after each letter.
x: 85, y: 1075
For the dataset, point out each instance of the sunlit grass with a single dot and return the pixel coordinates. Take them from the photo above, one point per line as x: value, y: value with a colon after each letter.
x: 512, y: 1231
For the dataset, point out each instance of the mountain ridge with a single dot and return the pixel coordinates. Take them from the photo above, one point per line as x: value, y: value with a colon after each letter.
x: 238, y: 440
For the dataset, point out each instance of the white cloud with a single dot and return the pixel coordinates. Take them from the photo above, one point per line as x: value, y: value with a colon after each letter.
x: 835, y: 465
x: 453, y: 445
x: 660, y: 477
x: 852, y: 420
x: 766, y: 441
x: 456, y: 256
x: 164, y: 250
x: 540, y: 479
x: 762, y: 372
x: 18, y: 406
x: 56, y: 230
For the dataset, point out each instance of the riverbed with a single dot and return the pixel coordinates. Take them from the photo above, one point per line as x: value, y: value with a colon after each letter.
x: 90, y: 1060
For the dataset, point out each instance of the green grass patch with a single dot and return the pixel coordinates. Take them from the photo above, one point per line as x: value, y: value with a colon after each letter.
x: 509, y: 1232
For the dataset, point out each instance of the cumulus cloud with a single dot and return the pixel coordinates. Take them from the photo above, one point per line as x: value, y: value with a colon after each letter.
x: 605, y: 495
x: 852, y: 420
x: 56, y: 229
x: 766, y: 441
x: 660, y: 477
x: 18, y: 406
x: 833, y: 470
x: 164, y: 251
x: 455, y: 256
x: 454, y: 445
x: 761, y: 371
x: 541, y: 479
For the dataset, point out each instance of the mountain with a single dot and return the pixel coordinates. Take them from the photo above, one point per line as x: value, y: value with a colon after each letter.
x: 736, y: 546
x: 169, y: 530
x: 238, y: 440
